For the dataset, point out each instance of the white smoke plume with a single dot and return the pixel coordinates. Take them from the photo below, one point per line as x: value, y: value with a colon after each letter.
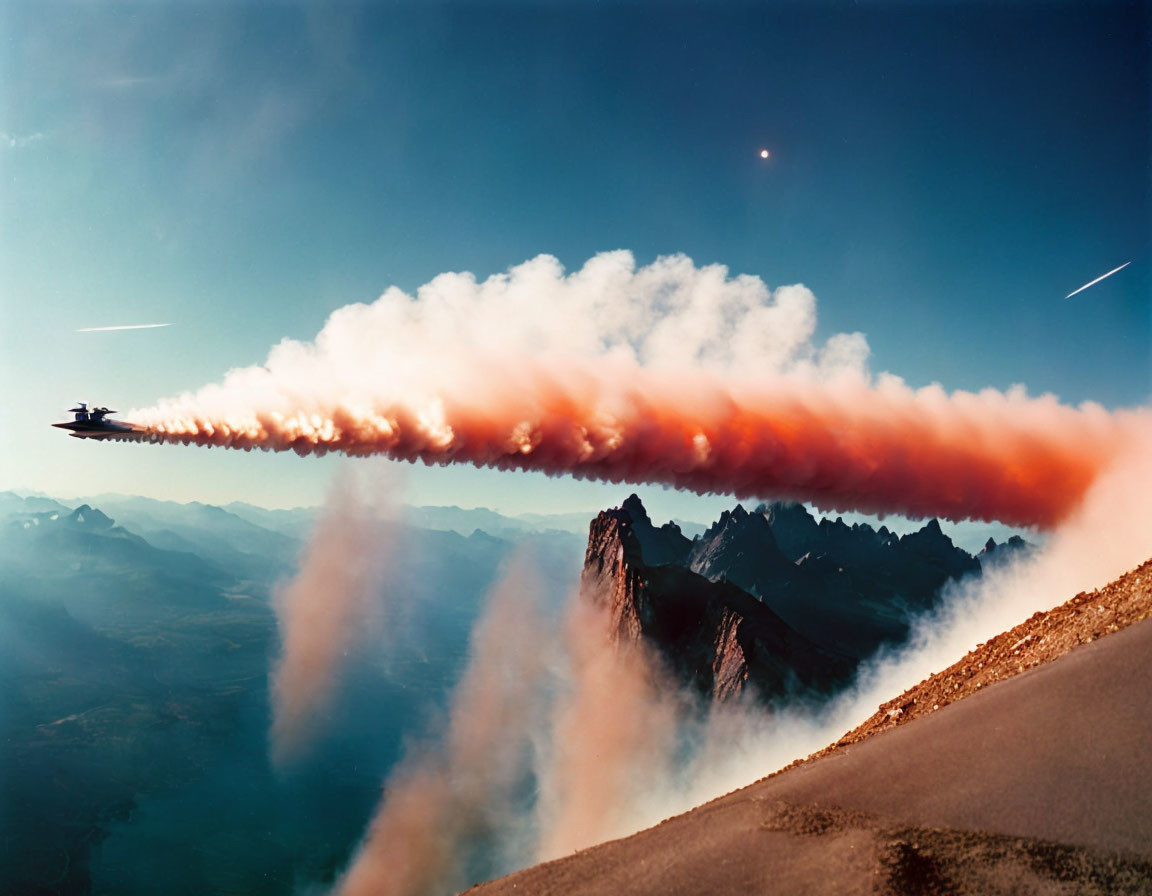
x: 334, y: 604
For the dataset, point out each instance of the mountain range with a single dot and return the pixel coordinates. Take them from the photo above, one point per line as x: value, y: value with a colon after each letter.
x: 772, y: 598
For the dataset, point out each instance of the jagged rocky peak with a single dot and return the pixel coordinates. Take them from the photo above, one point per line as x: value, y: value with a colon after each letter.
x: 931, y: 543
x: 84, y: 515
x: 728, y: 518
x: 634, y: 507
x: 768, y: 596
x: 609, y: 534
x: 712, y: 635
x: 733, y: 521
x: 657, y: 546
x: 740, y: 548
x: 928, y: 537
x: 833, y: 527
x: 794, y: 528
x: 994, y: 552
x: 787, y: 514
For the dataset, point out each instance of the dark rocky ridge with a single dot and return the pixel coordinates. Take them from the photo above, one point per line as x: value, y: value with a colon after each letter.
x: 713, y: 636
x: 993, y: 553
x: 774, y: 597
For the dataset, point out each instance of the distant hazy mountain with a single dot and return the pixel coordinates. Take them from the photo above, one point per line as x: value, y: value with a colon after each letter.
x: 49, y: 551
x: 120, y: 671
x: 250, y: 549
x: 13, y: 502
x: 295, y: 523
x: 466, y: 520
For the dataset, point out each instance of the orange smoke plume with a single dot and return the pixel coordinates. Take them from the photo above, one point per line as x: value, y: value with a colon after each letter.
x: 846, y: 445
x: 690, y: 379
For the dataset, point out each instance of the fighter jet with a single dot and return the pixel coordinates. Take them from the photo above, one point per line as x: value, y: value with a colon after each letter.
x: 94, y: 424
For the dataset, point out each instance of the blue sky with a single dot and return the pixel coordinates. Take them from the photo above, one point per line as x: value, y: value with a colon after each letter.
x: 941, y: 177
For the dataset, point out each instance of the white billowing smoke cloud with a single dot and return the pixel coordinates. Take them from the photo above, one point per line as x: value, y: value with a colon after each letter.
x: 666, y: 314
x: 334, y: 604
x: 446, y: 798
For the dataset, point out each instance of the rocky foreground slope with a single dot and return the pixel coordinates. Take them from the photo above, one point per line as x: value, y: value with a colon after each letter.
x: 1043, y: 637
x: 1022, y: 769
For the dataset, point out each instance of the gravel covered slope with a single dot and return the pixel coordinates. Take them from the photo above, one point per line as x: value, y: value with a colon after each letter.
x: 1041, y: 638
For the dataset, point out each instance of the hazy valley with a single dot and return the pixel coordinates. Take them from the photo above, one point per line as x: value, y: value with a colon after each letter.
x: 139, y: 635
x: 134, y: 664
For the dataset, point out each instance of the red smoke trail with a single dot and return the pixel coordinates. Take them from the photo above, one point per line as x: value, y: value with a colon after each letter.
x: 846, y: 444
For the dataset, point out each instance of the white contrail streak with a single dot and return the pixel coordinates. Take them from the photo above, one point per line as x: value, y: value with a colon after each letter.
x: 1098, y: 279
x: 126, y: 327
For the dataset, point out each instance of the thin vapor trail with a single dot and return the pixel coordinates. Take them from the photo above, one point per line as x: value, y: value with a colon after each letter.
x: 125, y: 327
x: 1098, y: 279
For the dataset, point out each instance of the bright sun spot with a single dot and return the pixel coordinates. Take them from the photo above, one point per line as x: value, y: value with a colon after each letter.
x: 763, y: 153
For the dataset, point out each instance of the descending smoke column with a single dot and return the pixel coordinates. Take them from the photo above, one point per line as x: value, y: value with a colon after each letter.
x: 613, y: 736
x: 666, y: 373
x: 335, y: 603
x: 450, y: 799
